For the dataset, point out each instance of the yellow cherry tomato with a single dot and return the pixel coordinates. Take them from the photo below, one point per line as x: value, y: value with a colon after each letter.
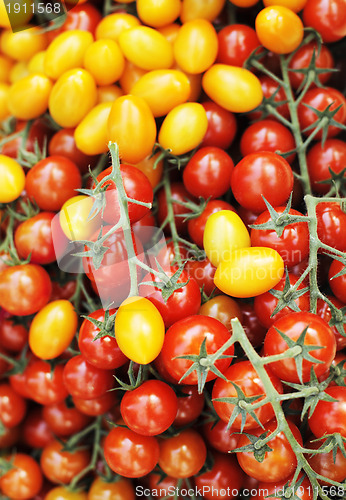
x: 108, y: 93
x: 4, y: 110
x: 28, y: 98
x: 63, y: 493
x: 295, y: 5
x: 105, y: 61
x: 139, y: 330
x: 75, y: 220
x: 130, y: 76
x: 6, y: 65
x: 249, y: 272
x: 196, y: 46
x: 146, y: 48
x: 244, y: 3
x: 22, y: 45
x: 111, y: 26
x: 183, y: 128
x: 235, y: 89
x: 36, y: 63
x: 132, y: 126
x: 170, y: 32
x: 73, y: 95
x: 119, y: 490
x: 279, y: 29
x: 195, y: 9
x: 19, y: 17
x: 163, y: 90
x: 18, y: 71
x: 53, y: 329
x: 223, y: 233
x: 12, y: 179
x: 91, y: 135
x: 147, y: 167
x: 158, y: 13
x: 66, y: 52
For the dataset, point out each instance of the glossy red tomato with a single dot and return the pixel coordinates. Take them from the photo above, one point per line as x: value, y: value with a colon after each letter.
x: 330, y: 416
x: 320, y: 159
x: 137, y: 187
x: 150, y: 408
x: 203, y: 272
x: 24, y: 289
x: 190, y: 406
x: 302, y: 58
x: 23, y: 480
x: 208, y: 173
x: 325, y: 464
x: 318, y: 333
x: 196, y: 226
x: 270, y: 87
x: 84, y: 17
x: 328, y: 17
x: 179, y: 193
x: 45, y: 386
x: 261, y: 174
x: 130, y: 454
x: 63, y: 144
x: 277, y: 464
x: 303, y: 492
x: 324, y: 310
x: 185, y: 337
x: 225, y: 475
x: 60, y: 466
x: 63, y: 420
x: 83, y: 380
x: 236, y: 42
x: 12, y: 406
x: 13, y: 335
x: 219, y: 437
x: 39, y: 133
x: 182, y: 455
x: 320, y: 99
x: 267, y: 135
x: 266, y: 303
x: 252, y: 326
x: 96, y: 406
x: 246, y: 378
x: 292, y: 245
x: 183, y: 302
x: 222, y: 126
x: 104, y: 352
x: 331, y: 220
x: 34, y: 237
x: 36, y: 432
x: 52, y: 181
x: 338, y: 285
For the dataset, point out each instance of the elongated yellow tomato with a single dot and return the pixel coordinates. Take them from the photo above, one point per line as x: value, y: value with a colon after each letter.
x: 4, y: 111
x: 170, y: 32
x: 195, y: 9
x: 158, y: 13
x: 36, y: 63
x: 28, y: 98
x: 235, y: 89
x: 108, y: 93
x: 223, y: 233
x: 279, y: 29
x: 183, y: 128
x: 18, y: 20
x: 75, y: 219
x: 130, y: 76
x: 91, y: 135
x: 139, y: 330
x: 18, y: 71
x: 64, y: 493
x: 132, y: 126
x: 105, y: 61
x: 113, y: 25
x: 146, y: 48
x: 74, y: 94
x: 5, y: 67
x: 295, y: 5
x: 249, y: 272
x: 22, y: 45
x: 66, y: 52
x: 196, y: 45
x: 53, y: 329
x: 163, y: 90
x: 12, y: 179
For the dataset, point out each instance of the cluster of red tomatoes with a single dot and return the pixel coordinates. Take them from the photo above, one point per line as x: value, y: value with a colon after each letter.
x: 223, y: 375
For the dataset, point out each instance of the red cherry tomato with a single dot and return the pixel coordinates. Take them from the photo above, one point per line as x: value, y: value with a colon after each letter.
x: 328, y: 17
x: 222, y: 126
x: 320, y: 159
x: 236, y: 42
x: 34, y: 237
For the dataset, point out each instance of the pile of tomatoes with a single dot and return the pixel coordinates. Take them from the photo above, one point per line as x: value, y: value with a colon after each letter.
x: 216, y: 369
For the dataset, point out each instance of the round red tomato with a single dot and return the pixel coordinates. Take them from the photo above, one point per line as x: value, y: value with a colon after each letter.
x: 219, y: 437
x: 190, y: 406
x: 328, y: 17
x: 24, y: 480
x: 331, y: 221
x: 12, y: 406
x: 324, y: 310
x: 302, y: 58
x: 246, y: 378
x: 84, y: 17
x: 320, y: 159
x: 178, y: 193
x: 203, y: 272
x: 292, y: 245
x: 318, y: 333
x: 330, y: 416
x: 338, y: 285
x: 13, y: 335
x: 36, y: 432
x: 185, y: 337
x: 150, y: 408
x: 38, y: 133
x: 269, y: 88
x: 96, y: 406
x: 325, y: 464
x: 34, y: 237
x: 252, y: 326
x: 222, y: 126
x: 261, y: 174
x: 62, y: 466
x: 45, y: 386
x: 236, y: 42
x: 64, y: 421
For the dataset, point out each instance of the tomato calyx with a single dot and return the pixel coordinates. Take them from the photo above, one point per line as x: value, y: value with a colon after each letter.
x: 168, y: 287
x: 106, y: 326
x: 288, y: 296
x: 339, y: 373
x: 337, y: 181
x: 135, y: 379
x: 324, y: 120
x: 258, y: 445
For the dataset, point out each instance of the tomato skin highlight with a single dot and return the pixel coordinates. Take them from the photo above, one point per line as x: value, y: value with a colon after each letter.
x: 12, y: 179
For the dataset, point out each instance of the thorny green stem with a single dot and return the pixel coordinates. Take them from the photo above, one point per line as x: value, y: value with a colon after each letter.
x: 170, y: 217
